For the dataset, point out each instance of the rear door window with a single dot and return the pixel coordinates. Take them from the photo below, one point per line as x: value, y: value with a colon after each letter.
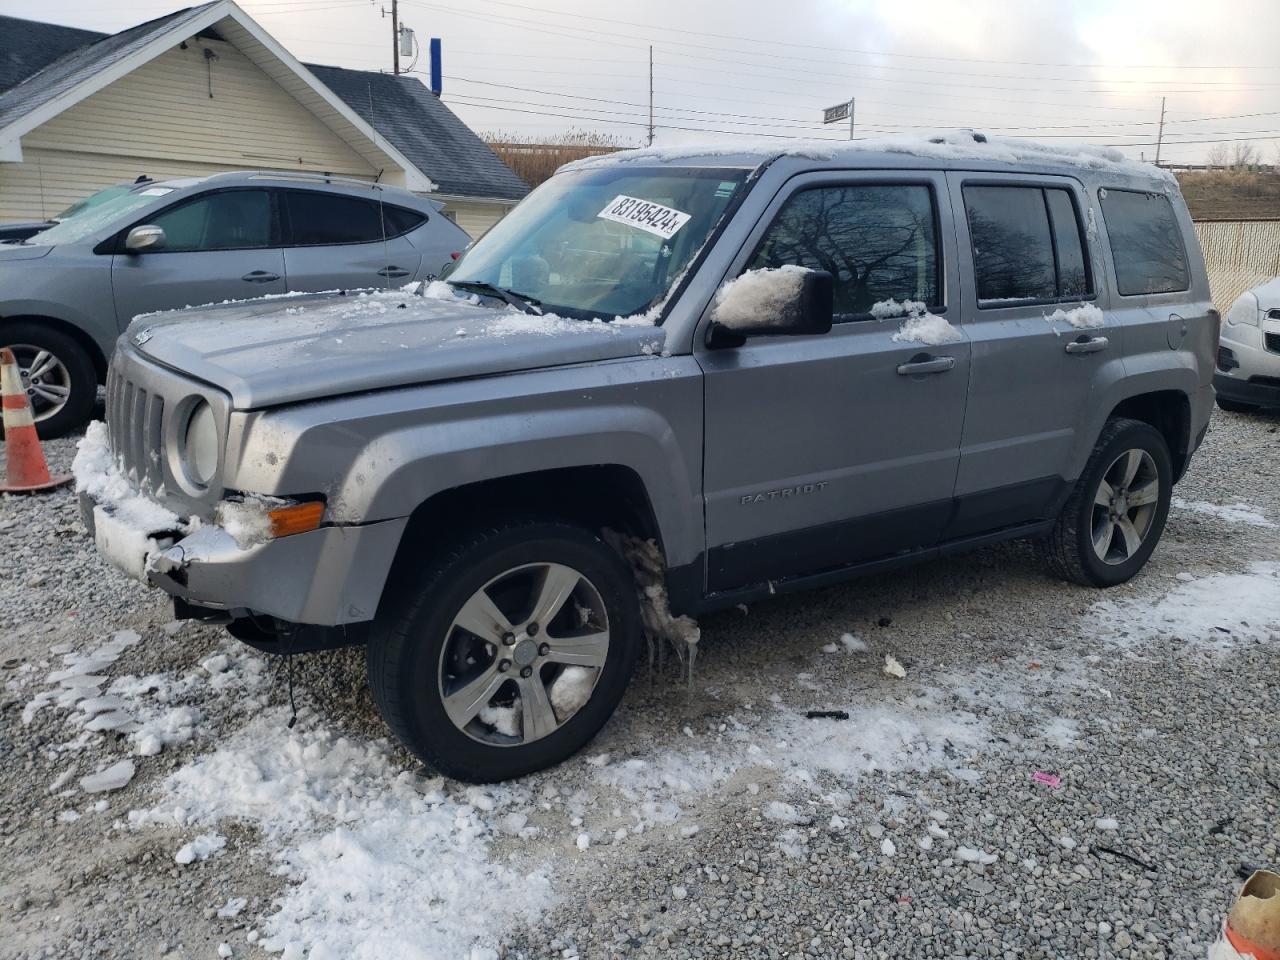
x: 1146, y: 242
x: 322, y: 219
x: 1027, y: 245
x: 879, y: 242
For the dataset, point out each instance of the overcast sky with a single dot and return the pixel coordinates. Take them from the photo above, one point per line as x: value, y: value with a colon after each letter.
x: 1093, y: 69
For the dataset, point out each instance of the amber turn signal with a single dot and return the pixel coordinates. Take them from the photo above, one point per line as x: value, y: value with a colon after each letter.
x: 297, y: 518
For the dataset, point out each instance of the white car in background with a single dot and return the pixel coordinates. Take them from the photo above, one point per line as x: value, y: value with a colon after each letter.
x: 1248, y: 373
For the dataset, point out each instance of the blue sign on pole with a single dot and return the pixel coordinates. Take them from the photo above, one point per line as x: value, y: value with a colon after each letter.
x: 436, y: 69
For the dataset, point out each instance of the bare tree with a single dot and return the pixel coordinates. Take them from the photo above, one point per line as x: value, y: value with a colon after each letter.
x: 1234, y: 156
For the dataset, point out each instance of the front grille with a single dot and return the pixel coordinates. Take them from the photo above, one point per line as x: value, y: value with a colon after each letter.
x: 134, y: 419
x: 1273, y: 342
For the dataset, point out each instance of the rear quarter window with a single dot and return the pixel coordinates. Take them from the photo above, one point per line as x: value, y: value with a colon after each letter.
x: 1146, y: 242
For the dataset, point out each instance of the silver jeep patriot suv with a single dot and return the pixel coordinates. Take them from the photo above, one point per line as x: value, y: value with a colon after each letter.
x: 721, y: 373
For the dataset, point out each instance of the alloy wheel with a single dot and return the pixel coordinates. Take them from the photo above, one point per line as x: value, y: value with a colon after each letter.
x: 1124, y: 506
x: 45, y: 379
x: 524, y: 654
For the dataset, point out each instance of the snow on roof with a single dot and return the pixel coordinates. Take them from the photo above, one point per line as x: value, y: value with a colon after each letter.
x: 954, y: 145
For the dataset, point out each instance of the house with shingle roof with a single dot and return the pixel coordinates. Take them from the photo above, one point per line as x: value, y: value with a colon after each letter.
x: 207, y: 89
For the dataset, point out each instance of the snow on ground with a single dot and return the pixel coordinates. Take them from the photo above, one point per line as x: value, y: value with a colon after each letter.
x: 1230, y: 512
x: 382, y: 863
x: 1216, y: 610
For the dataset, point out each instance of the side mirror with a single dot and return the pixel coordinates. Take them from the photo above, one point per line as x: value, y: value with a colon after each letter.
x: 143, y: 238
x: 788, y: 301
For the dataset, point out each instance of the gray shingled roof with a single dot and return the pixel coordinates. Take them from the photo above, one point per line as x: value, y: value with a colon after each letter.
x: 414, y: 120
x: 27, y: 46
x: 77, y: 66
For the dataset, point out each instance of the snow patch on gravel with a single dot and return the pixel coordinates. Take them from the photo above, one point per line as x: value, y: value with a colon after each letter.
x: 383, y: 863
x: 1216, y: 610
x: 1230, y: 512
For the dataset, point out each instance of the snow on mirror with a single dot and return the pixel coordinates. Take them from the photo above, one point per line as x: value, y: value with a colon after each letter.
x: 760, y: 298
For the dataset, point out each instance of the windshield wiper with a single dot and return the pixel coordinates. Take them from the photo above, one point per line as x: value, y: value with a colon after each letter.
x: 518, y: 300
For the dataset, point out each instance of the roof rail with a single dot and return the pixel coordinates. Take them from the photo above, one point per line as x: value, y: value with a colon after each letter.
x: 312, y: 178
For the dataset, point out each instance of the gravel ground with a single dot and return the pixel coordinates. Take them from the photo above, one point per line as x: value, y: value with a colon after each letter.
x: 713, y: 819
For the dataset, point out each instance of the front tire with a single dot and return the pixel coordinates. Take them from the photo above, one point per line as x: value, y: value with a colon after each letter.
x: 61, y: 382
x: 1113, y: 519
x: 509, y: 653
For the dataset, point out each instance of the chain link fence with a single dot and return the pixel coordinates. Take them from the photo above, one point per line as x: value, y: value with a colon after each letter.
x: 1239, y: 254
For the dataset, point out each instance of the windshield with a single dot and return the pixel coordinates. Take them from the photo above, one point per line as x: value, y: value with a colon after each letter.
x: 602, y: 243
x: 93, y: 200
x: 105, y: 214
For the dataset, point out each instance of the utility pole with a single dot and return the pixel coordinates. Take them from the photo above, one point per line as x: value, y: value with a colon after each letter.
x: 1160, y: 132
x: 395, y: 37
x: 651, y: 94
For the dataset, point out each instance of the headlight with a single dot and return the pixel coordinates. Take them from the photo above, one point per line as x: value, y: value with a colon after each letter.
x: 200, y: 444
x: 1244, y: 310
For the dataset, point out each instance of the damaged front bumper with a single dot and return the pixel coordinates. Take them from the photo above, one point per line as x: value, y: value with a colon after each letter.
x: 328, y: 576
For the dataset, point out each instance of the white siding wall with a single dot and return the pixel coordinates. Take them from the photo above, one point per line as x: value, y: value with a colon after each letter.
x: 161, y: 121
x: 475, y: 216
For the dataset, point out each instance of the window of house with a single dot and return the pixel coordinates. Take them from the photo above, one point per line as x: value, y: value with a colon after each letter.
x: 229, y: 220
x: 879, y: 242
x: 1146, y: 242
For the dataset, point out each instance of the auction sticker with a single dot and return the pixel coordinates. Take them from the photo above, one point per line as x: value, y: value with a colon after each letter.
x: 645, y: 214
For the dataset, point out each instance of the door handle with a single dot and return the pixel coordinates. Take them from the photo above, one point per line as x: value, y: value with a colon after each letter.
x: 393, y: 272
x: 260, y: 276
x: 929, y: 365
x: 1091, y: 345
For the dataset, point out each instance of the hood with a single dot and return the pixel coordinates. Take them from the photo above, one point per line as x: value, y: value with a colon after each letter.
x: 1268, y: 294
x: 22, y: 251
x: 288, y: 349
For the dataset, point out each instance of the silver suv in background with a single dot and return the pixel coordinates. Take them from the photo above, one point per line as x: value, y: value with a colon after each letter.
x: 1248, y: 376
x: 718, y: 374
x: 67, y: 292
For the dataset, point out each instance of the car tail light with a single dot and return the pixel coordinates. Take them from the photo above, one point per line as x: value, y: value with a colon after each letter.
x: 455, y: 255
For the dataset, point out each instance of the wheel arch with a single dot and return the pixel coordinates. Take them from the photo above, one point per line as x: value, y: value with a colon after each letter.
x: 89, y: 345
x: 1169, y: 411
x: 598, y: 496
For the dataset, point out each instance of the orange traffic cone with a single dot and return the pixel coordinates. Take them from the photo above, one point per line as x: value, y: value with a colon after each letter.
x: 26, y: 470
x: 1253, y: 926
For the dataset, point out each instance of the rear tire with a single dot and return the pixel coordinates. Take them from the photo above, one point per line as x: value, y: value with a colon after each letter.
x: 64, y: 387
x: 1114, y: 517
x: 433, y: 678
x: 1235, y: 406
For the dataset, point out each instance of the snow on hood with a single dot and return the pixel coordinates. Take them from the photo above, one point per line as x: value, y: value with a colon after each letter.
x: 943, y: 145
x: 271, y: 351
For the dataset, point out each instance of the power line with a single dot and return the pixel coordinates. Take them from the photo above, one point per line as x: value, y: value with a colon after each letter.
x: 876, y: 53
x: 586, y: 33
x: 1026, y: 128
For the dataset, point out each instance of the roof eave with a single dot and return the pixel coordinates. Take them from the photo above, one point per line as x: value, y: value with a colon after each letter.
x: 224, y: 10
